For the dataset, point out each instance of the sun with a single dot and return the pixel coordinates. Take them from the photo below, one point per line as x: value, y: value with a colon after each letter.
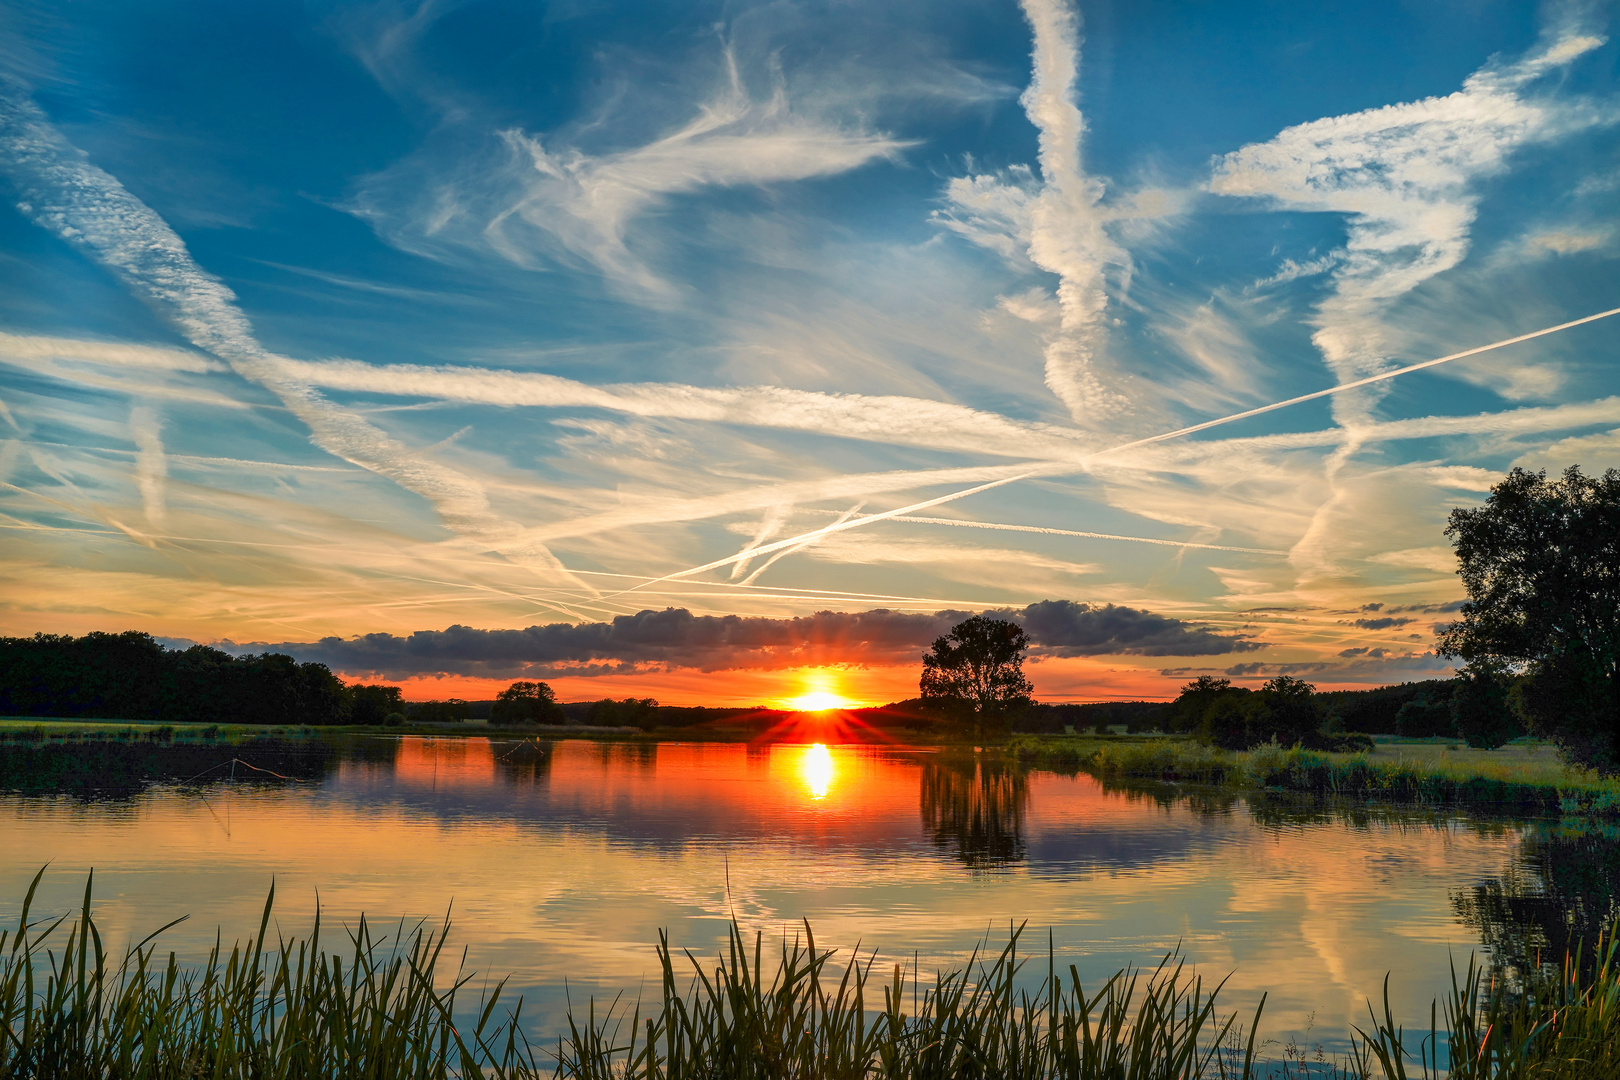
x: 818, y: 701
x: 819, y: 692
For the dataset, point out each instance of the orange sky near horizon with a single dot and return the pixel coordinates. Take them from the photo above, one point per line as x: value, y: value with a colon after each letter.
x: 1056, y: 679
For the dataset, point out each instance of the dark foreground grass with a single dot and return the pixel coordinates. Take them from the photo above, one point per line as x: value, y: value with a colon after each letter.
x: 381, y: 1008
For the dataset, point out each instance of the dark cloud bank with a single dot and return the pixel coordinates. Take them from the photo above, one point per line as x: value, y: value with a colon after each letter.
x: 675, y: 638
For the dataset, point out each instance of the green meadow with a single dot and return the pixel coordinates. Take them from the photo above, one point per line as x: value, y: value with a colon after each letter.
x: 1522, y: 777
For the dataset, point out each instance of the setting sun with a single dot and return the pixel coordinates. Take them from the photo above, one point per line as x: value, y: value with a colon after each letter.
x: 817, y: 701
x: 819, y: 692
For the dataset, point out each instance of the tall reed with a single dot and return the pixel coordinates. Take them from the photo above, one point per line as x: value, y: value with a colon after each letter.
x: 1563, y: 1026
x: 376, y: 1008
x: 295, y: 1010
x: 809, y: 1021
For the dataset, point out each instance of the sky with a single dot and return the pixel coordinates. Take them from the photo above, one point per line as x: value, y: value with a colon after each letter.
x: 723, y: 352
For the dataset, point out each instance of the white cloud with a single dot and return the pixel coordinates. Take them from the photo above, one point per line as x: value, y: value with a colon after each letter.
x: 1293, y: 271
x: 1059, y: 222
x: 1553, y: 241
x: 967, y: 564
x: 1034, y: 305
x: 22, y: 348
x: 1593, y: 453
x: 1568, y: 243
x: 151, y: 467
x: 874, y: 418
x: 545, y: 202
x: 82, y: 204
x: 1218, y: 346
x: 1406, y: 177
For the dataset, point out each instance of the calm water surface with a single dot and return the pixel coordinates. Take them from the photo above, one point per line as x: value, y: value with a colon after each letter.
x: 562, y: 862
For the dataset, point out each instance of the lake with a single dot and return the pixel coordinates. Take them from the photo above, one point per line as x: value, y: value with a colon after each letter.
x: 560, y: 862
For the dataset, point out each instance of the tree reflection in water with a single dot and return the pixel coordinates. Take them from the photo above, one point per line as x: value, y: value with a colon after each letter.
x: 975, y: 808
x: 1560, y: 894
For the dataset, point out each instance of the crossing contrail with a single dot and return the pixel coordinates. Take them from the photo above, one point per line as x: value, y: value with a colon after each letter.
x: 1047, y: 470
x: 826, y: 530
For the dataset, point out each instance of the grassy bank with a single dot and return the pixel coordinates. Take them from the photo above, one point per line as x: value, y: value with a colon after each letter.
x: 385, y: 1006
x: 1537, y: 786
x: 44, y: 729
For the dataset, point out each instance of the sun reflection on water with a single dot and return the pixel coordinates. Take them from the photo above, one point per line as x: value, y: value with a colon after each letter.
x: 817, y: 770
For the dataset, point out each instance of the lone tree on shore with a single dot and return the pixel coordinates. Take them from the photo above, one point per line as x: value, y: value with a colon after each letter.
x: 976, y: 673
x: 1541, y: 564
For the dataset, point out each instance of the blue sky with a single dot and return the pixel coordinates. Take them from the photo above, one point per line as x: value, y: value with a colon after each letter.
x: 326, y: 320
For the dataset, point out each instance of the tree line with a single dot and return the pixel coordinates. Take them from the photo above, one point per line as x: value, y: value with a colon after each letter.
x: 133, y: 676
x: 1539, y: 637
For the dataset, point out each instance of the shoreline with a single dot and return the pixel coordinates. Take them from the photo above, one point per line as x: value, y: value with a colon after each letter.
x: 1417, y: 771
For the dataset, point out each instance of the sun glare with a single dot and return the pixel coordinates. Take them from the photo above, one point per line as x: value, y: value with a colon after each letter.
x: 817, y: 770
x: 817, y: 701
x: 818, y: 692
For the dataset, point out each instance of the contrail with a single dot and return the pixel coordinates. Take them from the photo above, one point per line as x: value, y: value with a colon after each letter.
x: 1089, y: 535
x: 827, y: 530
x: 818, y: 595
x: 785, y: 552
x: 1342, y: 387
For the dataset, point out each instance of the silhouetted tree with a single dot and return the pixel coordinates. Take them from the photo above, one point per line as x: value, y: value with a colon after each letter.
x: 1374, y: 711
x: 526, y: 703
x: 1287, y: 711
x: 448, y: 711
x: 1541, y: 564
x: 1480, y: 710
x: 1427, y: 715
x: 640, y: 712
x: 372, y: 703
x: 1214, y: 711
x: 132, y: 676
x: 1187, y: 711
x: 1228, y: 719
x: 975, y: 673
x: 1284, y: 708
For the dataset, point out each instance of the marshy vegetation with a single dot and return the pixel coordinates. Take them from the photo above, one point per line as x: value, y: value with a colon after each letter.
x: 120, y: 761
x: 387, y: 1004
x: 1547, y: 787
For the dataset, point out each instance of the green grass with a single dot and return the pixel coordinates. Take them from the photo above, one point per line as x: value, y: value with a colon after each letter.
x: 380, y: 1007
x: 1537, y: 784
x: 36, y: 730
